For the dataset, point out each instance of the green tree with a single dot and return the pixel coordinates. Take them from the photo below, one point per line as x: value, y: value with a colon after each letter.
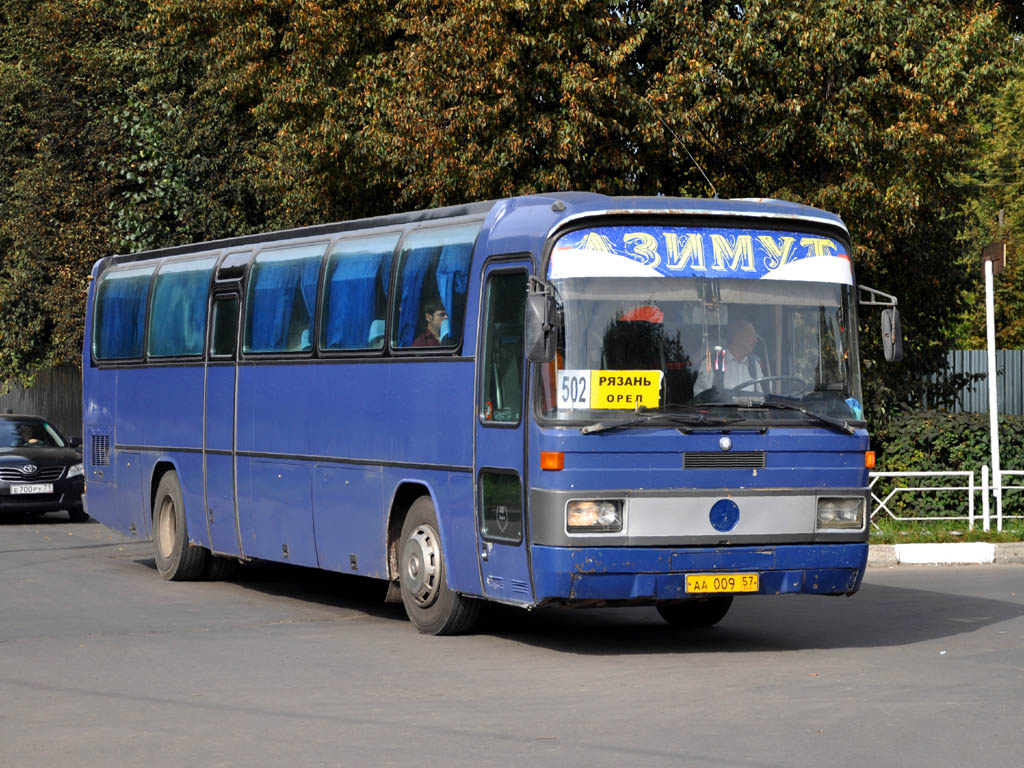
x: 201, y: 120
x: 995, y: 176
x: 62, y: 62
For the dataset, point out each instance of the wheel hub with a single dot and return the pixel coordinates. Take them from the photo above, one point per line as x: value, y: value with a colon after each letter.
x: 166, y: 528
x: 421, y: 565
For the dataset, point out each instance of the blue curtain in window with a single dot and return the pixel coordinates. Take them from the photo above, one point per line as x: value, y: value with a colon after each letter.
x: 179, y: 310
x: 270, y: 312
x: 195, y: 289
x: 122, y: 311
x: 417, y: 262
x: 308, y: 281
x: 352, y: 300
x: 452, y: 276
x: 273, y: 299
x: 167, y: 331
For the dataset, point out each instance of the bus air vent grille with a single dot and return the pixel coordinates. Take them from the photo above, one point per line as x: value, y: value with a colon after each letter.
x: 520, y: 588
x: 100, y: 450
x: 723, y: 460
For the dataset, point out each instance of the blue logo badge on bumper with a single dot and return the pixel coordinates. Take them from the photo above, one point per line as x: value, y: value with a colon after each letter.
x: 724, y: 515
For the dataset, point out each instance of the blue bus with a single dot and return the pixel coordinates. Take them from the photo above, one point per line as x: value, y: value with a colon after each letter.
x: 565, y: 399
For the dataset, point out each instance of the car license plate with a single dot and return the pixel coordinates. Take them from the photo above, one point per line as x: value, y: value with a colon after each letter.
x: 33, y: 488
x: 709, y: 583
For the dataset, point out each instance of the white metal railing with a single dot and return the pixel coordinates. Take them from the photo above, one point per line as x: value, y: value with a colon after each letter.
x: 881, y: 505
x: 1000, y: 488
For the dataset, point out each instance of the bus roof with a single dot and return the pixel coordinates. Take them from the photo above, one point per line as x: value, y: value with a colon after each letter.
x: 531, y: 216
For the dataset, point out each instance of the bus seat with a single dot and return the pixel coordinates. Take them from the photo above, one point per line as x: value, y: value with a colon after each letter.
x: 375, y: 338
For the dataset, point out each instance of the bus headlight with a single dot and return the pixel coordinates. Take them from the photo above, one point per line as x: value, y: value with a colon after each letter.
x: 841, y: 513
x: 594, y: 516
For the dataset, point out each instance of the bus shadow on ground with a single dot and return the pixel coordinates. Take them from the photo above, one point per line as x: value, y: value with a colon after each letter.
x: 311, y: 585
x: 878, y: 616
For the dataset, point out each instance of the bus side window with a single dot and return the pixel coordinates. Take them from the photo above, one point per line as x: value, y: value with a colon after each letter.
x: 356, y: 293
x: 281, y: 299
x: 223, y: 337
x: 433, y: 270
x: 502, y: 377
x: 178, y: 322
x: 120, y: 321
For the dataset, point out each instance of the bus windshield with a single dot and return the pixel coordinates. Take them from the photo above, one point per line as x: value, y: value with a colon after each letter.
x: 723, y: 347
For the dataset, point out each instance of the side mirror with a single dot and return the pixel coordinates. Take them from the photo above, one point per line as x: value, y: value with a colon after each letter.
x: 892, y: 335
x: 539, y: 331
x: 74, y: 442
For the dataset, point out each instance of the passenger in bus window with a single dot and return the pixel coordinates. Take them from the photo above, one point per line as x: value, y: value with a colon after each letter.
x: 734, y: 365
x: 434, y: 315
x: 376, y: 335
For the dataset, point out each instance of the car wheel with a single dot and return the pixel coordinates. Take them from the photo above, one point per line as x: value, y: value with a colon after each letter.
x: 176, y: 558
x: 431, y: 605
x: 77, y: 515
x: 696, y: 614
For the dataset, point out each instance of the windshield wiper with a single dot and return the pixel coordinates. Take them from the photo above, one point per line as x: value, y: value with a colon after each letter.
x: 826, y: 421
x: 657, y: 418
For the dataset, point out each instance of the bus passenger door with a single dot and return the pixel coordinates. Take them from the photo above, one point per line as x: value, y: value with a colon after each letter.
x: 502, y: 531
x: 219, y: 425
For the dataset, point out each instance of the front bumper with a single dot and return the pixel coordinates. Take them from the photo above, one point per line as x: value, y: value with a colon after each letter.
x: 67, y: 494
x: 630, y: 574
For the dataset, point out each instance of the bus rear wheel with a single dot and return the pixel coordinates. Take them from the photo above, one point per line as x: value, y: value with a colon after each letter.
x: 176, y: 558
x: 696, y: 614
x: 432, y: 607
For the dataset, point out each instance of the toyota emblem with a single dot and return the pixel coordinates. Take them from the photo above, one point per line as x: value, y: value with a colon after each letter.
x: 29, y: 469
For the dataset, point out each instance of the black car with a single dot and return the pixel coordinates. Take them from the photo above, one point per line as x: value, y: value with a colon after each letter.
x: 40, y: 470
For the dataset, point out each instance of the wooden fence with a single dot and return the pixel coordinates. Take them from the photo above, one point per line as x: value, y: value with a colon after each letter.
x: 56, y: 395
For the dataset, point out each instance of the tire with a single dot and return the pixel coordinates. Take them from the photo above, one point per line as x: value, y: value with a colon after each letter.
x: 77, y: 515
x: 695, y: 614
x: 431, y: 606
x: 176, y: 559
x: 220, y: 568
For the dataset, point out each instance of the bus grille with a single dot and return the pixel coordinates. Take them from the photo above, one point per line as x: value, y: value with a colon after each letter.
x: 100, y: 450
x: 723, y: 460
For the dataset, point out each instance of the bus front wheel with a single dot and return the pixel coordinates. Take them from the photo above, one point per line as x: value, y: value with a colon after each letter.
x: 431, y: 605
x: 696, y: 614
x: 176, y: 558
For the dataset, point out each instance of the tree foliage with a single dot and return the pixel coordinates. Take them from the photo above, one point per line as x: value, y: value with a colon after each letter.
x: 996, y: 176
x: 62, y: 64
x: 200, y: 120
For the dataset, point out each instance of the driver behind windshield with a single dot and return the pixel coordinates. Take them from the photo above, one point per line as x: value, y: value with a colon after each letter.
x: 23, y: 434
x: 734, y: 365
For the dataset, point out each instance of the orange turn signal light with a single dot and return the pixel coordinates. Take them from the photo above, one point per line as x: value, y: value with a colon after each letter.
x: 869, y: 459
x: 552, y: 460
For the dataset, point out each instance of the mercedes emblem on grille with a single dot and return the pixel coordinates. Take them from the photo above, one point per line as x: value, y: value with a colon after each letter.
x: 29, y: 469
x: 725, y: 443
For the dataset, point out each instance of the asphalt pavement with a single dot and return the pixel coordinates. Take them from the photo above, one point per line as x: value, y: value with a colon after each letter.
x: 104, y: 664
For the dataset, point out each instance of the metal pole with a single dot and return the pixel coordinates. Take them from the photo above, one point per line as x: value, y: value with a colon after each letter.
x: 986, y: 520
x: 970, y: 500
x: 993, y: 397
